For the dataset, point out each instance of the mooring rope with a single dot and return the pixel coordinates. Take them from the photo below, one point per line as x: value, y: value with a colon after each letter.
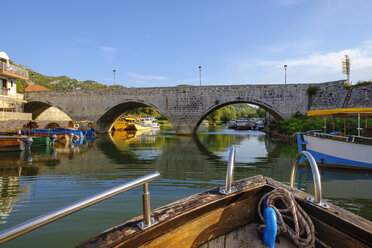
x: 301, y: 221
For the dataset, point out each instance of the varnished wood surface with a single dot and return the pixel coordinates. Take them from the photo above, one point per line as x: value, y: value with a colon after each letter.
x: 193, y: 221
x: 247, y: 237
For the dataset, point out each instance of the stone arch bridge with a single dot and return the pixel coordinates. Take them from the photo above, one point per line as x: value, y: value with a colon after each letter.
x: 186, y: 106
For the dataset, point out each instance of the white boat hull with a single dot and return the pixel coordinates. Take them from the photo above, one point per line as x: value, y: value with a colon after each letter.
x: 337, y: 152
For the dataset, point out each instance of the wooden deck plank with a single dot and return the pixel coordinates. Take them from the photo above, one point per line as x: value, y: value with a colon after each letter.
x: 195, y: 220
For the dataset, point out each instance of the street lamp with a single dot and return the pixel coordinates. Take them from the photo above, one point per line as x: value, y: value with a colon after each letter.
x: 114, y: 71
x: 285, y: 74
x: 200, y: 73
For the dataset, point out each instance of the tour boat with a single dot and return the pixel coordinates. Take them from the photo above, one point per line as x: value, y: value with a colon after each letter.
x: 14, y: 142
x: 337, y: 149
x: 253, y: 212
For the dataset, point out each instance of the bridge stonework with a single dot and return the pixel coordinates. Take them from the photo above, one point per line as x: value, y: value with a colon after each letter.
x: 186, y: 106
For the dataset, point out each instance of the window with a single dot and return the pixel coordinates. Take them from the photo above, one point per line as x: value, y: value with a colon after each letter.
x: 11, y: 84
x: 3, y: 85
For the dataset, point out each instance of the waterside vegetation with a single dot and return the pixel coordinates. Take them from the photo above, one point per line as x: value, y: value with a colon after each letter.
x: 302, y: 123
x: 235, y: 111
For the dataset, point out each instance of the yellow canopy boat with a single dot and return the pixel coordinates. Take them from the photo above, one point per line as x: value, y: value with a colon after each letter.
x: 129, y: 123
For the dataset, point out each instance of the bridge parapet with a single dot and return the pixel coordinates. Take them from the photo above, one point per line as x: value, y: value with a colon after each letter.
x: 187, y: 106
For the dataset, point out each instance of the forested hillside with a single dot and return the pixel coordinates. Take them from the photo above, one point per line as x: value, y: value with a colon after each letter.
x: 58, y: 83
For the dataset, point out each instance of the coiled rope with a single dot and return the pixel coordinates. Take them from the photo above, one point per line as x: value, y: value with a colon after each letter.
x: 301, y: 221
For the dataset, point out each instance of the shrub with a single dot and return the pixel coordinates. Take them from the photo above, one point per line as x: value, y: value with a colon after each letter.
x: 311, y: 90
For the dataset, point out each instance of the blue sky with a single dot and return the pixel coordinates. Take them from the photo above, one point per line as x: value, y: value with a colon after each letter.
x: 162, y: 43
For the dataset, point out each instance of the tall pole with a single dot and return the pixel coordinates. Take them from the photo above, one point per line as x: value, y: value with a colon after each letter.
x: 200, y: 74
x: 114, y: 71
x: 285, y: 74
x: 346, y: 67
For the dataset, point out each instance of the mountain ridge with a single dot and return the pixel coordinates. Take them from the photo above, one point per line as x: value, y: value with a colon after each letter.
x: 58, y: 82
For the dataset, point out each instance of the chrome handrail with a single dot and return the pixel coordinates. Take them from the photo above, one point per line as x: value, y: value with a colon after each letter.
x: 316, y: 178
x: 47, y: 218
x: 230, y: 173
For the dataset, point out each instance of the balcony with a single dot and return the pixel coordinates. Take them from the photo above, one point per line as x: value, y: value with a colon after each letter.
x: 13, y: 71
x: 4, y: 91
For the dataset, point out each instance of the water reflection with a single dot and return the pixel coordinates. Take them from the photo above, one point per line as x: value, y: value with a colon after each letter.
x: 62, y: 174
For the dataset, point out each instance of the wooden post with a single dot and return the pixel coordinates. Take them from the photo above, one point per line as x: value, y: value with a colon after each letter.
x: 344, y: 126
x: 333, y: 129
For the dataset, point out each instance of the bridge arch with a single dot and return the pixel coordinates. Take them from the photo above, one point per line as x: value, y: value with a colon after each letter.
x: 105, y: 122
x: 38, y: 107
x: 275, y: 113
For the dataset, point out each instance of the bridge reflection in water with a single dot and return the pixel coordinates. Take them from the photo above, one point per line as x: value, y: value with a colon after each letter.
x: 43, y: 180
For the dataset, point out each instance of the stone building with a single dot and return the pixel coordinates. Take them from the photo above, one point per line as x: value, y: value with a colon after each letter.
x: 11, y: 103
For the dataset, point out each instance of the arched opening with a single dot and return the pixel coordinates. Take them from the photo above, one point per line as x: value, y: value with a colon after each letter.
x: 106, y: 121
x: 261, y: 106
x: 42, y: 111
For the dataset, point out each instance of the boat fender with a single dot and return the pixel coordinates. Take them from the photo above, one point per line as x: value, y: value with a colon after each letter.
x: 28, y: 142
x: 53, y: 138
x: 76, y: 126
x: 269, y: 232
x: 90, y: 125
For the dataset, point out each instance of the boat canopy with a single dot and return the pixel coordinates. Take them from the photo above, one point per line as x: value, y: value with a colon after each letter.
x: 346, y: 112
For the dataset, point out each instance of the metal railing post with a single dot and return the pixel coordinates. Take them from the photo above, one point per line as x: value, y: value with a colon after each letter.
x: 146, y: 204
x: 147, y: 220
x: 230, y: 173
x: 316, y: 178
x: 47, y: 218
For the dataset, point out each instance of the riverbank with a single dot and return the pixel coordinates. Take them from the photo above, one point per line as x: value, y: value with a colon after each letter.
x: 14, y: 125
x: 274, y: 134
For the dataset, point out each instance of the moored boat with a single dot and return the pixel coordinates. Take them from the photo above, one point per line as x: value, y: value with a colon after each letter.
x: 59, y: 132
x: 259, y: 124
x: 231, y: 123
x: 14, y: 142
x: 243, y: 124
x: 336, y: 149
x: 150, y: 122
x: 130, y: 123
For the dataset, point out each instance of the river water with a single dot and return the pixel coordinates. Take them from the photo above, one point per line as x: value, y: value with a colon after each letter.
x: 34, y: 183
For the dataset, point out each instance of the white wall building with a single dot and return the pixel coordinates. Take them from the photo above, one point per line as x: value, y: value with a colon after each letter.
x: 11, y: 103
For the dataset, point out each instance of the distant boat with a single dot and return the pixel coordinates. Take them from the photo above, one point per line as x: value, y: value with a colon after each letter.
x: 129, y: 123
x: 259, y: 124
x: 243, y: 124
x: 205, y: 123
x: 231, y: 123
x: 337, y: 149
x: 150, y: 122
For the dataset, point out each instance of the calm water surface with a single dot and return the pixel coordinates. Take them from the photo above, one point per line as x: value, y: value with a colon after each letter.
x: 34, y: 183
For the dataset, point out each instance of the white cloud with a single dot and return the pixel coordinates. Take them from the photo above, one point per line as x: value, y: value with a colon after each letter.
x: 147, y: 77
x: 108, y: 49
x: 360, y: 58
x: 290, y: 2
